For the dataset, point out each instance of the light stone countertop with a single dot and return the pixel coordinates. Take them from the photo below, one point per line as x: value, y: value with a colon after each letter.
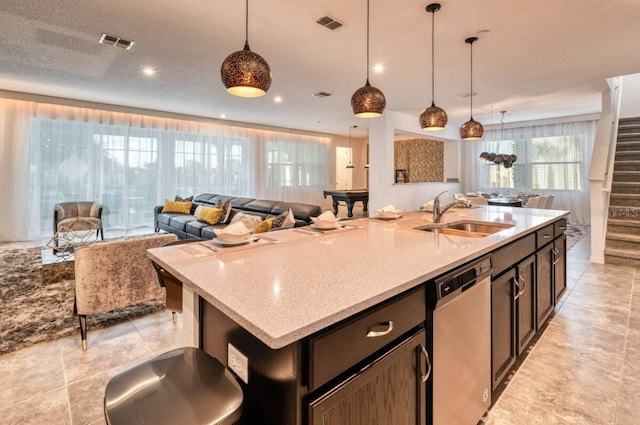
x: 285, y: 291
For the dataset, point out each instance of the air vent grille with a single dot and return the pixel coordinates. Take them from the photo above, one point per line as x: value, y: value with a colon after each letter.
x: 328, y: 22
x: 111, y: 40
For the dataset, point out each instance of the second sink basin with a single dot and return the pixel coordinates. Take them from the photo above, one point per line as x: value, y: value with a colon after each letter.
x: 469, y: 229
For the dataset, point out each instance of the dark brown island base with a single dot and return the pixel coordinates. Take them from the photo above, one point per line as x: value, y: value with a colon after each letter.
x: 384, y: 341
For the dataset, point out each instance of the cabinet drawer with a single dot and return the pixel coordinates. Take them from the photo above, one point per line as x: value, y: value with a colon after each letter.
x: 544, y: 235
x: 559, y: 227
x: 337, y: 349
x: 508, y: 255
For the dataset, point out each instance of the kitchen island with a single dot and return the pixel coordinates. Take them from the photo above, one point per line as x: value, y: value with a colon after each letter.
x: 276, y: 302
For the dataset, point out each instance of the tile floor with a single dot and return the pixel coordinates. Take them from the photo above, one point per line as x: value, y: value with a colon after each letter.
x: 584, y: 370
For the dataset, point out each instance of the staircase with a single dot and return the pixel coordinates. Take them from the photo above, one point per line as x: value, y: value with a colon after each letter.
x: 623, y: 228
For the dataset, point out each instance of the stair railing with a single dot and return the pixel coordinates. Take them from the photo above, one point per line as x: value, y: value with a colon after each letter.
x: 613, y: 139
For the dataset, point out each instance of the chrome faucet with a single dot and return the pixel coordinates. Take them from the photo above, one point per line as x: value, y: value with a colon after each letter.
x: 439, y: 212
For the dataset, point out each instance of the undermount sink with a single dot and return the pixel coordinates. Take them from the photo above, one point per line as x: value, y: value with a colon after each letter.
x: 469, y: 229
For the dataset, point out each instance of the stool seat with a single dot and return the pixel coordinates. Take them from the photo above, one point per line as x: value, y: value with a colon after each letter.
x: 184, y: 386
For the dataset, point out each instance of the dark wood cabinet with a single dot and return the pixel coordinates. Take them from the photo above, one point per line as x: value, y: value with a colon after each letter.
x: 390, y: 390
x: 503, y: 343
x: 560, y: 267
x: 525, y: 303
x: 544, y: 291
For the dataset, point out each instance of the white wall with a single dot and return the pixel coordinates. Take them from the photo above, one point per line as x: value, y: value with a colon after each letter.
x: 407, y: 196
x: 630, y: 102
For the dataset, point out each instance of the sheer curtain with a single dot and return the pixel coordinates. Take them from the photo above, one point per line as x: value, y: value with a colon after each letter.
x: 130, y: 163
x: 553, y: 159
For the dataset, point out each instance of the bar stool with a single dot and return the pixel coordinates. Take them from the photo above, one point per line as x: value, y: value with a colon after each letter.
x: 184, y: 386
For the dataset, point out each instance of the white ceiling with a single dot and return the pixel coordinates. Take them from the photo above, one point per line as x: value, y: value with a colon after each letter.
x: 541, y: 59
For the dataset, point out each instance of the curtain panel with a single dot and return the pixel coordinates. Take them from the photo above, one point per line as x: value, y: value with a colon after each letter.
x: 553, y: 159
x: 130, y: 163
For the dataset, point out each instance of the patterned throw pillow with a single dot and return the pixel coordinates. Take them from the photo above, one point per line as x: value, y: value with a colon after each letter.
x: 250, y: 221
x: 187, y: 199
x: 225, y: 206
x: 209, y: 215
x: 286, y: 220
x: 177, y: 207
x: 263, y: 226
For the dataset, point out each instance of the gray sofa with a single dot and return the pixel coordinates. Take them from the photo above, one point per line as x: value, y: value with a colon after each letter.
x: 185, y: 226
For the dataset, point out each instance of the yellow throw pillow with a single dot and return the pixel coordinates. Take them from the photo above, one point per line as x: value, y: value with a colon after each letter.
x: 264, y: 226
x: 209, y: 215
x: 177, y: 207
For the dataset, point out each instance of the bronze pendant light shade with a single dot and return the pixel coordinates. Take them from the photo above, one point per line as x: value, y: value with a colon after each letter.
x: 472, y: 129
x: 245, y: 73
x: 368, y: 101
x: 433, y: 118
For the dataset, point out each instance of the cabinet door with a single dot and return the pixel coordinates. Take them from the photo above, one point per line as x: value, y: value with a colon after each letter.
x: 560, y: 267
x: 544, y: 290
x: 503, y: 346
x: 391, y: 390
x: 525, y: 303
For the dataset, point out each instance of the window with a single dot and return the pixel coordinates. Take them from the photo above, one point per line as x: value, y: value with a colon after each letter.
x: 544, y: 163
x: 295, y: 164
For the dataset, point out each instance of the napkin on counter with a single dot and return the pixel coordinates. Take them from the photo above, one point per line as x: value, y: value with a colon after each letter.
x: 326, y: 216
x: 428, y: 206
x: 388, y: 208
x: 237, y: 228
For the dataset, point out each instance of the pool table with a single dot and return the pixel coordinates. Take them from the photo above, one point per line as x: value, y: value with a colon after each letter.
x: 350, y: 197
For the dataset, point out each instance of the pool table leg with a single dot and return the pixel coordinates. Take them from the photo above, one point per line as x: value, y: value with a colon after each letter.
x: 349, y: 208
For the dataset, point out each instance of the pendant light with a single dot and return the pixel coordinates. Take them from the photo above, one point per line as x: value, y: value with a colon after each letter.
x: 245, y: 73
x: 350, y: 165
x: 472, y: 129
x: 433, y: 118
x: 368, y: 101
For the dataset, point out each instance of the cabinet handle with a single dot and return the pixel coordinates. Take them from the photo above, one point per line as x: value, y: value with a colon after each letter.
x: 546, y: 236
x: 556, y: 255
x: 425, y: 376
x: 524, y: 286
x: 562, y: 227
x: 375, y: 334
x: 518, y: 290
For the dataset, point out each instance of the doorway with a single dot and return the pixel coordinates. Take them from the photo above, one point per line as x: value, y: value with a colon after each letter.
x: 344, y: 176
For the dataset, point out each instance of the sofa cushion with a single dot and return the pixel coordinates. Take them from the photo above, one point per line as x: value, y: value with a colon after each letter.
x: 177, y: 207
x: 286, y: 220
x: 205, y: 198
x: 209, y: 215
x: 262, y: 206
x: 194, y: 228
x: 185, y: 199
x: 179, y: 222
x: 302, y: 212
x: 164, y: 218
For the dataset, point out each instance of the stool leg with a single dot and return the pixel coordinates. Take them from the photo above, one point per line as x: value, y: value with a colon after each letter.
x: 83, y: 330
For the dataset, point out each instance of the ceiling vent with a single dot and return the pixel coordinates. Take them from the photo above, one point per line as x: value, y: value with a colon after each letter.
x: 321, y: 94
x: 111, y: 40
x: 328, y: 22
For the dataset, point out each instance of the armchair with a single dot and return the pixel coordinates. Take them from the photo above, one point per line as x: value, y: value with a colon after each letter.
x: 113, y: 275
x: 77, y: 216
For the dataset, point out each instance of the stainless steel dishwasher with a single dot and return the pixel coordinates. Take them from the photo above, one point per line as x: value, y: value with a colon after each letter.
x: 461, y: 346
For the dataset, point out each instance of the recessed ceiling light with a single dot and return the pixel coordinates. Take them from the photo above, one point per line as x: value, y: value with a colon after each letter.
x: 148, y: 71
x: 277, y: 99
x: 223, y: 116
x: 378, y: 68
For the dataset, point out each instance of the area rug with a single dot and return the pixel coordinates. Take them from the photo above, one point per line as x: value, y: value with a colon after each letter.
x: 575, y: 233
x: 35, y: 310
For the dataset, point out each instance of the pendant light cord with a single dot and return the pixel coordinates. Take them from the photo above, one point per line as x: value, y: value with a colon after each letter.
x: 433, y: 67
x: 471, y: 78
x: 367, y: 41
x: 246, y: 23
